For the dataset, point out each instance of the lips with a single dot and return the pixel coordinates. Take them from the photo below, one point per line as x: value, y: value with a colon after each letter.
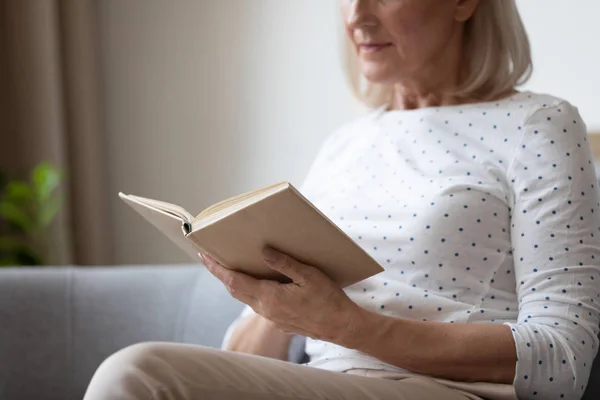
x: 373, y: 47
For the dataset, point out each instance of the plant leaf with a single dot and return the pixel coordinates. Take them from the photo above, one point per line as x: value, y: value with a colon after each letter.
x: 3, y: 181
x: 45, y: 179
x: 48, y: 211
x: 8, y: 261
x: 19, y: 192
x: 15, y: 215
x: 9, y: 244
x: 28, y: 257
x: 15, y: 252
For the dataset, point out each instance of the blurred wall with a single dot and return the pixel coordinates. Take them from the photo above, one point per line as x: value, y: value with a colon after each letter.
x: 206, y: 99
x: 565, y: 38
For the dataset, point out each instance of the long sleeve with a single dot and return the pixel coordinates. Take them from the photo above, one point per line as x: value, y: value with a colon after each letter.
x: 556, y: 247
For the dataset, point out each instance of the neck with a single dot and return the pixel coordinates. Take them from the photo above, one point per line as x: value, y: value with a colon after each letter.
x: 407, y: 99
x: 433, y: 84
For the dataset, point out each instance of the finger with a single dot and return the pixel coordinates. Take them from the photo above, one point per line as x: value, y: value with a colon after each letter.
x: 286, y: 265
x: 236, y: 294
x: 241, y: 286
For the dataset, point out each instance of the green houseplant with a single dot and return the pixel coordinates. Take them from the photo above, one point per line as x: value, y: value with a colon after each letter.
x: 26, y: 210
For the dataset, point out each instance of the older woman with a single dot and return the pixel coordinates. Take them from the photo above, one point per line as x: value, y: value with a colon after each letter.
x: 479, y: 201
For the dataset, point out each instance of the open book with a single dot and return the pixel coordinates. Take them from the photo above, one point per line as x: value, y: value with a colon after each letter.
x: 234, y: 232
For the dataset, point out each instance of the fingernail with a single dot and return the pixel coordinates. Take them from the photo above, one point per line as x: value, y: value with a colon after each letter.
x: 269, y: 254
x: 202, y: 257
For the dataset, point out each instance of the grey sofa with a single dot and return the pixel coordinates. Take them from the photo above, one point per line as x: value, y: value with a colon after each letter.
x: 58, y: 324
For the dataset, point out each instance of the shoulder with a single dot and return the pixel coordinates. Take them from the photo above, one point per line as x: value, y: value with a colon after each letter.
x: 345, y: 133
x: 544, y: 119
x: 525, y: 107
x: 550, y: 111
x: 553, y: 133
x: 553, y: 120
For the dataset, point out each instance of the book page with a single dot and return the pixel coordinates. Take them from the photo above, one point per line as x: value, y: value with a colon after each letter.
x: 222, y: 205
x: 171, y: 225
x: 174, y: 209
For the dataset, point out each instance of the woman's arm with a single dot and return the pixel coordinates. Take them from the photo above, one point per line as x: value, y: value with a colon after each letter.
x: 555, y: 221
x: 256, y: 335
x: 461, y: 352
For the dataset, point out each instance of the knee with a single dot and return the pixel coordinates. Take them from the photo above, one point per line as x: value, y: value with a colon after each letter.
x: 127, y: 372
x: 137, y: 356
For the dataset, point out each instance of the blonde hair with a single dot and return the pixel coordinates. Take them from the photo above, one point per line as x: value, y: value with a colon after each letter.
x: 496, y: 50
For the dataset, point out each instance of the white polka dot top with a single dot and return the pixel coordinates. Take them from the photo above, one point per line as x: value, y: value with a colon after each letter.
x: 479, y: 213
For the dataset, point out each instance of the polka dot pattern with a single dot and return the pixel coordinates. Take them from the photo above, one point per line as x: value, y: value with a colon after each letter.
x: 477, y: 214
x: 557, y: 264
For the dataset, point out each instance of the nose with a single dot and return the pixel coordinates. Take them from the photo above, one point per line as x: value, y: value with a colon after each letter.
x: 360, y: 15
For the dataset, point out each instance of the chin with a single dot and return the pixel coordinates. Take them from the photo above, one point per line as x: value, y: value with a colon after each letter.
x: 378, y: 73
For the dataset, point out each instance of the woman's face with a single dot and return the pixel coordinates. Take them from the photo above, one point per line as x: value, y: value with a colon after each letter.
x: 399, y: 39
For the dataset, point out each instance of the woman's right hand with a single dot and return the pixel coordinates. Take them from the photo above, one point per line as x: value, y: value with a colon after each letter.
x: 259, y: 336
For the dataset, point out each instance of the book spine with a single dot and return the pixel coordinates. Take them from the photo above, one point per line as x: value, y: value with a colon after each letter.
x: 186, y: 227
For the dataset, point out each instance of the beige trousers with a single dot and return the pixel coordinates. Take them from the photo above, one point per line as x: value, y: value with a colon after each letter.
x: 153, y: 371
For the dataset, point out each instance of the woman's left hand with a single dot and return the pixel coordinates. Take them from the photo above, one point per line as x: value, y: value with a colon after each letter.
x: 311, y: 305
